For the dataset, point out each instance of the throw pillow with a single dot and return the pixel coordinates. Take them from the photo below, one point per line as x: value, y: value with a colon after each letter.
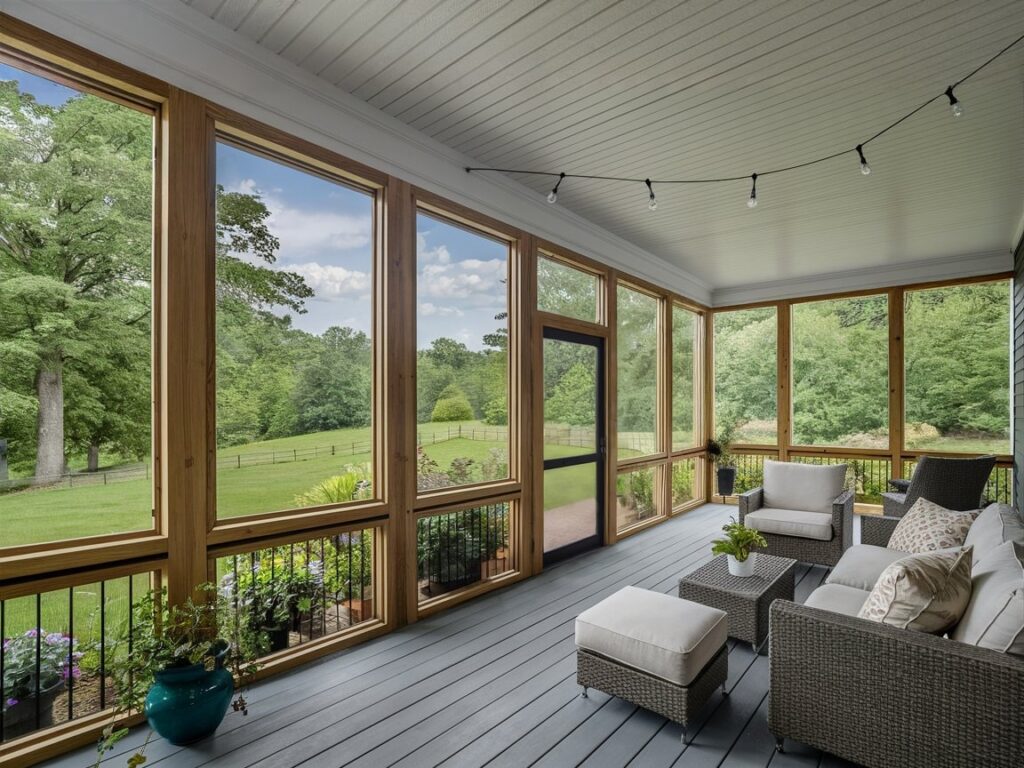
x: 995, y: 614
x: 927, y: 527
x: 994, y: 525
x: 927, y: 592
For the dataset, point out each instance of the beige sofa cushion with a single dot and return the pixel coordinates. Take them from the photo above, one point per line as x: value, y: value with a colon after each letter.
x: 806, y: 487
x: 995, y: 615
x: 996, y: 524
x: 666, y: 636
x: 791, y: 522
x: 838, y: 599
x: 861, y: 565
x: 927, y: 527
x: 926, y: 592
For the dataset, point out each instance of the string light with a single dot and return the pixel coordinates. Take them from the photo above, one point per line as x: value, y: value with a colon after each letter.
x: 864, y: 167
x: 954, y: 103
x: 553, y: 194
x: 652, y: 203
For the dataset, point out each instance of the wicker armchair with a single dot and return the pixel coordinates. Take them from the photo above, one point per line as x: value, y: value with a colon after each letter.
x: 807, y: 550
x: 950, y: 483
x: 892, y: 698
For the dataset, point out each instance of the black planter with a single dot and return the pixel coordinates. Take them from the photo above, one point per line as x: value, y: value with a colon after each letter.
x: 21, y: 718
x: 277, y: 637
x: 726, y: 480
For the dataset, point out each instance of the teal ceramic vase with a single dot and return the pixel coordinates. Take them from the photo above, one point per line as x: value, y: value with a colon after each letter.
x: 187, y: 704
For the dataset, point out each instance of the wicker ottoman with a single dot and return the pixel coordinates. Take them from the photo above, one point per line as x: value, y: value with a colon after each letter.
x: 654, y: 650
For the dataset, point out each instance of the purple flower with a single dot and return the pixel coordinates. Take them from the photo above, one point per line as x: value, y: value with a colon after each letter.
x: 31, y: 632
x: 12, y: 703
x: 55, y: 638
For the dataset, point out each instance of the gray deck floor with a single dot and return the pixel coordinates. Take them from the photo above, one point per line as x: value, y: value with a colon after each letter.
x: 492, y: 683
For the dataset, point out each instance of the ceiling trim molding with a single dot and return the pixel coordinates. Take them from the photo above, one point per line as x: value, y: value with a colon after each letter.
x: 180, y: 45
x: 923, y: 271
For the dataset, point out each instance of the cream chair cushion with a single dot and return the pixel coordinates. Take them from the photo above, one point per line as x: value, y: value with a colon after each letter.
x: 791, y: 522
x: 804, y: 487
x: 838, y: 599
x: 861, y: 565
x: 666, y: 636
x: 926, y: 592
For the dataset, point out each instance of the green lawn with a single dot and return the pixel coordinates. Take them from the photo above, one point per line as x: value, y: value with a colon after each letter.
x: 52, y: 514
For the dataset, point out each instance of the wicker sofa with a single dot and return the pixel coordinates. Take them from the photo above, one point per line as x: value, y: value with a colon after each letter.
x: 802, y: 511
x: 883, y: 696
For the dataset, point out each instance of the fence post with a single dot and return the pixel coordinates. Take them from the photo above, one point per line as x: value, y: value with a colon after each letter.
x: 104, y: 478
x: 332, y: 450
x: 460, y: 430
x: 238, y: 458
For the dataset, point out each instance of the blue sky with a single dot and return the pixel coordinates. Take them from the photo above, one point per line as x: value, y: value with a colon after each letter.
x: 45, y: 91
x: 326, y: 235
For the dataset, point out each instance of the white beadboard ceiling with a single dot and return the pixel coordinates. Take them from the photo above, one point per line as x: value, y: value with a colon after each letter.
x: 663, y: 88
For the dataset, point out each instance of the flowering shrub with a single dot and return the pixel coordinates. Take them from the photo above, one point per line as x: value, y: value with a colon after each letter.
x: 58, y: 661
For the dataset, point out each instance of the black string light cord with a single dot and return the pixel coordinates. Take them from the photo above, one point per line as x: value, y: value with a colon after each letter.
x: 954, y: 104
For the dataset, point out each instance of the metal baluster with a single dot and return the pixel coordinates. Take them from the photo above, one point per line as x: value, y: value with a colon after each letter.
x: 337, y: 580
x: 323, y: 585
x: 71, y: 657
x: 39, y: 654
x: 349, y: 537
x: 3, y: 654
x: 291, y: 576
x: 103, y: 644
x: 362, y: 575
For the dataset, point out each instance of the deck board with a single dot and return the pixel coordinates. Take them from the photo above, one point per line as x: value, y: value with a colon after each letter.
x: 492, y: 682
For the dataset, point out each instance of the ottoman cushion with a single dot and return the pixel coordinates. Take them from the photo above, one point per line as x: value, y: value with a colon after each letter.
x: 666, y: 636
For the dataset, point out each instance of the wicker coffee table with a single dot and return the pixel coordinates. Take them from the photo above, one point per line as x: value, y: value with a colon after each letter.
x: 744, y: 598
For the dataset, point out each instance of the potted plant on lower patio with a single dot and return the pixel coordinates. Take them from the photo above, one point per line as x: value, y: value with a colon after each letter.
x: 182, y: 669
x: 737, y: 545
x: 37, y: 667
x: 449, y: 553
x: 718, y: 452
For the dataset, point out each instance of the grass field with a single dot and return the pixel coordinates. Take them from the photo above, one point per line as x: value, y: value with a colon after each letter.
x: 52, y: 514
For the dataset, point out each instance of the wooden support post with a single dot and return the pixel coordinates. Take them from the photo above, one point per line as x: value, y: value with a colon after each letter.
x: 663, y: 479
x: 784, y: 379
x: 611, y: 423
x: 185, y: 483
x: 526, y: 407
x: 396, y: 323
x: 896, y: 382
x: 708, y: 373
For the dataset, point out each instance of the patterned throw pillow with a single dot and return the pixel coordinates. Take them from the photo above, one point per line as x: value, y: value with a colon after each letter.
x: 928, y: 592
x: 928, y: 527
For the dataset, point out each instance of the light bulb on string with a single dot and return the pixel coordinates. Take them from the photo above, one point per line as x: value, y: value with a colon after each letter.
x: 652, y: 202
x: 954, y: 103
x: 864, y: 167
x: 752, y: 201
x: 553, y: 194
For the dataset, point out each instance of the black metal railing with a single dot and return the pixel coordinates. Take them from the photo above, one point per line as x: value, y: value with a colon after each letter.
x: 457, y: 549
x: 868, y: 477
x: 636, y: 499
x: 58, y: 647
x: 298, y: 592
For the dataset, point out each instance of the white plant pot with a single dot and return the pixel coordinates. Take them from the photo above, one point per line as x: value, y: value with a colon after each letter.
x: 746, y: 568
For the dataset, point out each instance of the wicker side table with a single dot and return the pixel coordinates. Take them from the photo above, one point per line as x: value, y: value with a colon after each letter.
x: 745, y: 598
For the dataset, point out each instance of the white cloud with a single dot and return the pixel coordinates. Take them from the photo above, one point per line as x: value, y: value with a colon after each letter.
x: 427, y: 255
x: 469, y: 279
x: 330, y: 282
x: 304, y: 232
x: 428, y: 309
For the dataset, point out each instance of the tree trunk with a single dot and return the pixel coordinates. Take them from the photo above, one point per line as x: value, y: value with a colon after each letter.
x: 94, y: 458
x: 50, y: 425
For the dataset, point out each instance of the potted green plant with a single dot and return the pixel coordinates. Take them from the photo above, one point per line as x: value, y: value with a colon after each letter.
x: 181, y: 669
x: 273, y: 594
x: 718, y: 450
x: 737, y: 545
x: 37, y: 666
x: 449, y: 553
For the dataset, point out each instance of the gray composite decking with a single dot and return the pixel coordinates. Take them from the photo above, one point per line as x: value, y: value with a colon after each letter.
x: 492, y: 683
